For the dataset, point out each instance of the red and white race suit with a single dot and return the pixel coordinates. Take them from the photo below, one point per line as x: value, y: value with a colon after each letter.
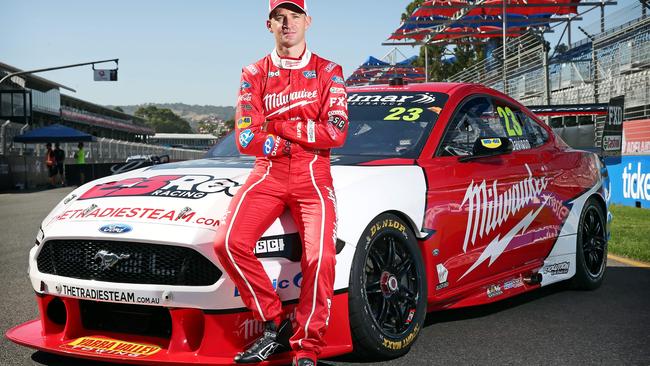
x: 290, y: 112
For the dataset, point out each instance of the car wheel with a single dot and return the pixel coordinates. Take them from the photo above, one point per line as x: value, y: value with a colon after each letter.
x: 591, y: 251
x: 387, y: 294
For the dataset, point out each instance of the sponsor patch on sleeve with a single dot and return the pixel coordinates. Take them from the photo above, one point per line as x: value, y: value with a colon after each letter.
x: 338, y: 122
x: 337, y: 79
x: 252, y: 69
x: 268, y: 144
x: 245, y: 138
x: 244, y: 122
x: 330, y: 67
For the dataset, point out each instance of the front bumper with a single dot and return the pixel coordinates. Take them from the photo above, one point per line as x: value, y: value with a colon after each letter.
x: 195, y: 336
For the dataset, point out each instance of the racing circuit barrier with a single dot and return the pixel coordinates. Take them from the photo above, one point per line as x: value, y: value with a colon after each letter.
x: 23, y: 165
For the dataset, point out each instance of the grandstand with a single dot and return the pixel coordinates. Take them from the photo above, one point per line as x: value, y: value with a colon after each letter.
x: 30, y: 101
x: 380, y: 71
x: 194, y: 141
x: 600, y: 67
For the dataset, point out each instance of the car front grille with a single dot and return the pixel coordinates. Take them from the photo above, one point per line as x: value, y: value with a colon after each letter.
x: 143, y: 320
x: 127, y: 262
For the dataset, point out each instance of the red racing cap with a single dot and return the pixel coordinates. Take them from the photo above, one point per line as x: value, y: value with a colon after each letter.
x: 302, y: 4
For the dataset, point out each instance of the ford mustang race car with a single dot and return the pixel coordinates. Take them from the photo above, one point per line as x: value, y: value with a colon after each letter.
x: 448, y: 195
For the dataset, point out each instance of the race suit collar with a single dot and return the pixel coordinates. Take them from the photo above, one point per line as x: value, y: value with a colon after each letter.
x: 290, y: 62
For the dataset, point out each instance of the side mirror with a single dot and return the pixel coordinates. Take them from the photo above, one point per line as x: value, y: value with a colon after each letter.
x: 489, y: 146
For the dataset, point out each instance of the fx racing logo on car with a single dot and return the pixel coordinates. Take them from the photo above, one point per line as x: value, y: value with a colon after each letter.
x: 178, y: 186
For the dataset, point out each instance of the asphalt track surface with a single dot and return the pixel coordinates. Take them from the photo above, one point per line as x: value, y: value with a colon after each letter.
x: 552, y: 326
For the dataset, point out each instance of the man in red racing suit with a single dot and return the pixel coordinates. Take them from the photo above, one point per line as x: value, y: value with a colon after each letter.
x: 291, y: 111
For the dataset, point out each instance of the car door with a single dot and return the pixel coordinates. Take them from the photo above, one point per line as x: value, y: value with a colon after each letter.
x: 548, y: 223
x: 530, y: 158
x: 466, y: 202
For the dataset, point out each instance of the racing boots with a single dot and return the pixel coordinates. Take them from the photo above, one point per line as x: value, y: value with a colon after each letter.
x: 275, y: 339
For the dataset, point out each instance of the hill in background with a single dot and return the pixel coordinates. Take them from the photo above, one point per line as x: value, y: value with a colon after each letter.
x: 191, y: 113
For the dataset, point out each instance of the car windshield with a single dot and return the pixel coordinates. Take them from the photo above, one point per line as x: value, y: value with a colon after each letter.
x: 387, y: 124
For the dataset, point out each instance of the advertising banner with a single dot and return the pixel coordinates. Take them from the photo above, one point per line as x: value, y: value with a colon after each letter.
x: 629, y: 177
x: 613, y: 131
x: 636, y: 137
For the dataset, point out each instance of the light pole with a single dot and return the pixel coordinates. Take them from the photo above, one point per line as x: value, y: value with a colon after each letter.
x: 55, y: 68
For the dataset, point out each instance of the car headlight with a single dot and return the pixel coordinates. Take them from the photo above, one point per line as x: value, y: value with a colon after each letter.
x: 39, y: 236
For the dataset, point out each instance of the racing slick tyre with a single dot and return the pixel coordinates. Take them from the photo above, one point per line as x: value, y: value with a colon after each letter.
x: 388, y: 289
x: 591, y: 251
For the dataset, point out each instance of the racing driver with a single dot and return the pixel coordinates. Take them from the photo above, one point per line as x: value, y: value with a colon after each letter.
x: 292, y: 109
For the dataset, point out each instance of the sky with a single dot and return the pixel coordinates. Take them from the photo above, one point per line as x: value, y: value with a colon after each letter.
x: 189, y: 51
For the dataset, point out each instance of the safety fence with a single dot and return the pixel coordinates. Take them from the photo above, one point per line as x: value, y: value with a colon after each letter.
x: 23, y: 165
x: 102, y: 151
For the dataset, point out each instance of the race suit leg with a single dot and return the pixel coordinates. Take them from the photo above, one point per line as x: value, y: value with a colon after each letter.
x: 253, y: 209
x: 313, y: 206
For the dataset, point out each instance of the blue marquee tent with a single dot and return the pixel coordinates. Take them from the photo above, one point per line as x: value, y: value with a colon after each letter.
x: 54, y: 133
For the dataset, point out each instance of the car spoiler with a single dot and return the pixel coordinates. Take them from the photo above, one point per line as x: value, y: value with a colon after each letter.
x: 594, y: 109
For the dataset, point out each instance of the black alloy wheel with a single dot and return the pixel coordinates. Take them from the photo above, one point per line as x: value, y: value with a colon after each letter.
x: 388, y: 289
x: 591, y: 247
x: 391, y: 284
x: 593, y: 241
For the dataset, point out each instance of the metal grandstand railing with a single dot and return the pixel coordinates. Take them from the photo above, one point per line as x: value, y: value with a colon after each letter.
x: 525, y: 76
x: 604, y: 65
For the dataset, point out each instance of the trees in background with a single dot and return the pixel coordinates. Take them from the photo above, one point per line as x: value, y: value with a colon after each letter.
x: 163, y: 120
x: 440, y: 68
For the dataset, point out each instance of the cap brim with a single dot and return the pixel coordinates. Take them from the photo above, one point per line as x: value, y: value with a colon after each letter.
x: 288, y: 3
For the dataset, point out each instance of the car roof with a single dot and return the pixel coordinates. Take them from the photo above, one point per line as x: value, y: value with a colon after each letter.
x: 418, y: 87
x: 454, y: 90
x: 440, y: 87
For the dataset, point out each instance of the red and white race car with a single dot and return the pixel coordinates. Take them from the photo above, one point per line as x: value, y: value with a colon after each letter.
x: 449, y: 195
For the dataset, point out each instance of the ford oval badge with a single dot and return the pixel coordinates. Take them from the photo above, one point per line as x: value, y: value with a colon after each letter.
x: 115, y: 229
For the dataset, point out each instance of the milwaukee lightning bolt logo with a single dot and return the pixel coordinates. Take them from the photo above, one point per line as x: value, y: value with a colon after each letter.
x: 301, y: 103
x: 488, y: 211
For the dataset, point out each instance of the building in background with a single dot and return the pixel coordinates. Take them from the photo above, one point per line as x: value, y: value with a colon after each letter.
x: 195, y: 141
x: 37, y: 102
x: 29, y: 101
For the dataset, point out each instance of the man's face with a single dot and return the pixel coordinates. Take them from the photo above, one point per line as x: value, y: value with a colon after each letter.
x: 288, y: 26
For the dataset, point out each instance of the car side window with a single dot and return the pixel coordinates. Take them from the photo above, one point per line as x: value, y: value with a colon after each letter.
x: 536, y: 134
x: 476, y: 118
x: 524, y: 132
